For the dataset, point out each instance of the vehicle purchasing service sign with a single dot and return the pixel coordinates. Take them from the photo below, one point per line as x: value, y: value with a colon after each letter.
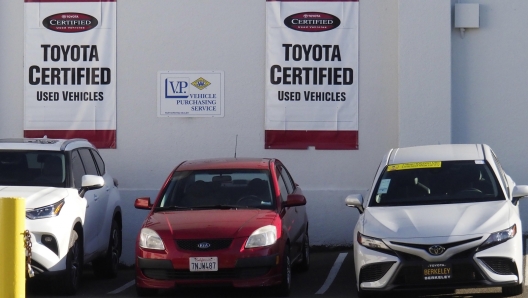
x: 191, y: 93
x: 70, y: 70
x: 311, y: 74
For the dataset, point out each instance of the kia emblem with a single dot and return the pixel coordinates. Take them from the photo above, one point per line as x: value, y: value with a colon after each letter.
x: 204, y: 245
x: 436, y: 250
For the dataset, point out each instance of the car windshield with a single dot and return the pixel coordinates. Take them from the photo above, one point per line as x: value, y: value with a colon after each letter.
x: 32, y: 168
x: 444, y: 182
x: 218, y: 189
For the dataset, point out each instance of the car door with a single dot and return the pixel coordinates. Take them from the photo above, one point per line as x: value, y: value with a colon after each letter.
x: 94, y: 216
x: 293, y: 217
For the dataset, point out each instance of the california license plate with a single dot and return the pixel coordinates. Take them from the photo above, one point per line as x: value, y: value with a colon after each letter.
x: 437, y: 271
x: 203, y: 264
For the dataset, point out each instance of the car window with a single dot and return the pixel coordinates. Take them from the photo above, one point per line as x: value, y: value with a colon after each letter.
x: 244, y: 188
x: 502, y: 175
x: 287, y: 179
x: 77, y: 169
x: 88, y: 162
x: 32, y: 168
x: 283, y: 189
x: 99, y: 161
x: 436, y: 183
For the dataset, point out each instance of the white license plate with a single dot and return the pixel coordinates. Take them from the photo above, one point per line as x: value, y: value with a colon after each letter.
x: 203, y: 264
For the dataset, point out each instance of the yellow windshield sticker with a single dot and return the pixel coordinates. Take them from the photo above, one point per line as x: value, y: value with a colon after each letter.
x: 415, y: 165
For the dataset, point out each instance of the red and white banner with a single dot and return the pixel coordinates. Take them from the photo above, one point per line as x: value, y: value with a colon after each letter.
x: 311, y: 74
x: 70, y: 70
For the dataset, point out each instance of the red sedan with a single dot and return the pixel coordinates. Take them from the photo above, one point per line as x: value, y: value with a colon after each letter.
x: 238, y: 222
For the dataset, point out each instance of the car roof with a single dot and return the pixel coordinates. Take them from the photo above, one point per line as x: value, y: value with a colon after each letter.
x: 442, y: 152
x: 43, y: 144
x: 225, y: 163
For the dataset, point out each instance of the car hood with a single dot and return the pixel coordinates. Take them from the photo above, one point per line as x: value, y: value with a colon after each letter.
x: 34, y: 196
x: 196, y: 224
x: 445, y: 220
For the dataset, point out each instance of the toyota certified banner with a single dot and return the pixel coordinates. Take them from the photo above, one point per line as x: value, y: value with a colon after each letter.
x: 311, y: 74
x: 70, y: 70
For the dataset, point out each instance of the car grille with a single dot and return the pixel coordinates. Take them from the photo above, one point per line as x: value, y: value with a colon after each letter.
x: 502, y: 266
x: 171, y: 274
x: 445, y: 245
x: 463, y: 268
x: 214, y: 244
x: 374, y: 272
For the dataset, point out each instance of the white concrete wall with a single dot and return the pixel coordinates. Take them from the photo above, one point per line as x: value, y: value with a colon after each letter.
x: 405, y: 80
x: 424, y: 72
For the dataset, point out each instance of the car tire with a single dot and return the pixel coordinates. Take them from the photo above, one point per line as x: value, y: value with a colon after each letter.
x: 108, y: 265
x: 284, y: 288
x: 305, y: 257
x: 146, y: 292
x: 69, y: 283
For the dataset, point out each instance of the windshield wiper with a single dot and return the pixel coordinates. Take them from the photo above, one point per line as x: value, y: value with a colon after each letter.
x: 223, y: 207
x: 171, y: 208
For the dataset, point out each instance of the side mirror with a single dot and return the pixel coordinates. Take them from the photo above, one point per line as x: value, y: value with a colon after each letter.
x: 143, y: 203
x: 519, y: 192
x: 356, y: 201
x: 294, y: 200
x: 90, y: 182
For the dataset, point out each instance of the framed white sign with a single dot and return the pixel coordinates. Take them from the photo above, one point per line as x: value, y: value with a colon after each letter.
x: 190, y: 94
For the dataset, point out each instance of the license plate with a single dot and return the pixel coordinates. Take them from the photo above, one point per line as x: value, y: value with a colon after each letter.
x: 203, y: 264
x: 437, y: 271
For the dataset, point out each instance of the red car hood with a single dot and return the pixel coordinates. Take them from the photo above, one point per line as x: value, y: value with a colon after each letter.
x: 199, y: 224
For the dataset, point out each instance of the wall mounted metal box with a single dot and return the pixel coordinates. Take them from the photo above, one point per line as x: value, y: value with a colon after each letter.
x: 467, y: 15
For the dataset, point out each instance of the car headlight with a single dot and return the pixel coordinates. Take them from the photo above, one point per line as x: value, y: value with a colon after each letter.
x: 150, y: 239
x: 267, y: 235
x: 499, y: 237
x: 372, y: 243
x: 46, y: 211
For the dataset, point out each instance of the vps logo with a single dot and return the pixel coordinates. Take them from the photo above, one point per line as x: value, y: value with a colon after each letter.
x: 177, y: 87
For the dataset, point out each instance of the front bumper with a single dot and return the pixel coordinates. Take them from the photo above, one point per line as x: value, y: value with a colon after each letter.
x: 396, y: 270
x: 49, y: 256
x: 236, y: 267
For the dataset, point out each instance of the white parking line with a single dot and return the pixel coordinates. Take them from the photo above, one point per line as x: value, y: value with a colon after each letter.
x: 122, y: 288
x: 333, y: 272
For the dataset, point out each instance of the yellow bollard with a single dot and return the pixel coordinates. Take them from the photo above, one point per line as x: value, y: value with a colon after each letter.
x: 12, y: 251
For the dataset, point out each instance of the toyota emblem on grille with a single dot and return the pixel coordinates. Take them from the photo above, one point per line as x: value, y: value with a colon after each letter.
x: 436, y: 250
x: 204, y: 245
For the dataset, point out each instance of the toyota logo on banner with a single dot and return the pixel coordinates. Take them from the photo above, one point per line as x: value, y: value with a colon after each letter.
x: 436, y: 250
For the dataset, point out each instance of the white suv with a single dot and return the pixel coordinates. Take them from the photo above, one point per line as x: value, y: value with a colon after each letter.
x: 73, y: 207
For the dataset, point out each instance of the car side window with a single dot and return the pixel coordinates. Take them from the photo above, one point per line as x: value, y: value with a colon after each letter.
x: 283, y: 189
x: 502, y: 176
x: 77, y: 169
x: 88, y: 162
x: 287, y: 179
x: 283, y: 185
x: 99, y: 161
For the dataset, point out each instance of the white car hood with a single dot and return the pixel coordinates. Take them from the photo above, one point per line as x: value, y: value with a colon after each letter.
x: 34, y: 196
x: 446, y: 220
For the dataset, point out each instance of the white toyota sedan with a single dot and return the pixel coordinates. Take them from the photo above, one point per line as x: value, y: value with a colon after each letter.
x: 439, y: 217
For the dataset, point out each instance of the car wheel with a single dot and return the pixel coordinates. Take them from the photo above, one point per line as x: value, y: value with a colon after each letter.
x: 284, y: 288
x: 107, y: 266
x: 69, y: 284
x: 305, y: 261
x: 145, y: 292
